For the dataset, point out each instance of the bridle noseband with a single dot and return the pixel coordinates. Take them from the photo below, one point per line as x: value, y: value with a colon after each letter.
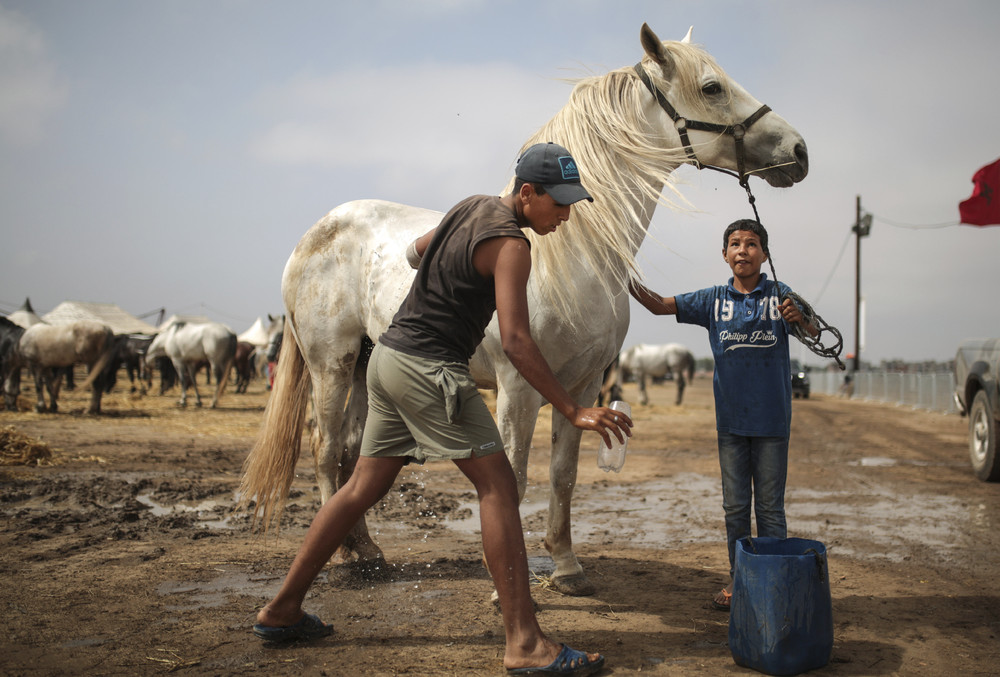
x: 682, y: 124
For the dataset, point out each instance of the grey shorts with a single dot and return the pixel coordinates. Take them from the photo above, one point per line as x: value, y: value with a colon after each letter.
x: 425, y: 409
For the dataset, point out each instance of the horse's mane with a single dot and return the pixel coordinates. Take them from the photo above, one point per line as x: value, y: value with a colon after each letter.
x: 604, y: 126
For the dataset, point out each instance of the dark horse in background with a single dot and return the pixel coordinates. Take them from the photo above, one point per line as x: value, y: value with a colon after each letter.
x: 132, y: 357
x: 47, y: 349
x: 243, y: 365
x: 10, y: 362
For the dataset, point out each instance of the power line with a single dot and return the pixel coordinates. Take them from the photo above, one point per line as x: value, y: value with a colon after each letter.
x: 916, y: 226
x: 888, y: 222
x: 829, y: 277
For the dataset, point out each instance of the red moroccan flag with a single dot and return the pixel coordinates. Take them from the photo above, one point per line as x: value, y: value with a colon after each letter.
x: 983, y: 208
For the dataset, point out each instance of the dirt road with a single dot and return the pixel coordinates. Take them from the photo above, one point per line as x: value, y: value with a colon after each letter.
x: 122, y: 556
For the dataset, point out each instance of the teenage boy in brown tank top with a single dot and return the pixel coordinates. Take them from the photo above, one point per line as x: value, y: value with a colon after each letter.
x: 423, y: 404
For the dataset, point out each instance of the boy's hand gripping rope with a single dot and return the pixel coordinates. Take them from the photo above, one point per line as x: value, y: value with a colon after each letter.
x: 813, y: 342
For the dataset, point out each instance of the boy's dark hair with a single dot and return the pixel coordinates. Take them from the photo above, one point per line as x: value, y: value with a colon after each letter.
x: 746, y: 224
x: 518, y: 182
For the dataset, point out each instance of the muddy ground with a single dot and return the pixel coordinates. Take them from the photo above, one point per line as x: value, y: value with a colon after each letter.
x: 123, y: 556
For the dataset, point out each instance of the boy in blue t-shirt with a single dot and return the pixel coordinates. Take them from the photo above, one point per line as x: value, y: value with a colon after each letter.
x: 747, y: 324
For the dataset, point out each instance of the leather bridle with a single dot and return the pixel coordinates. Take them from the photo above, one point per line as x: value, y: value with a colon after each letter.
x: 738, y: 131
x: 682, y: 124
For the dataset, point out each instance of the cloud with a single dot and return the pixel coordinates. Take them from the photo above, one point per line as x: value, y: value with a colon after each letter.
x: 419, y: 124
x: 32, y: 89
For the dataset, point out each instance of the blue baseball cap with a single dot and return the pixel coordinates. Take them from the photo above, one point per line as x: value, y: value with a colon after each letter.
x: 551, y: 166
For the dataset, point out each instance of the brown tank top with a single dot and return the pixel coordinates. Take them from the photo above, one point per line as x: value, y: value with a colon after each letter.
x: 449, y: 305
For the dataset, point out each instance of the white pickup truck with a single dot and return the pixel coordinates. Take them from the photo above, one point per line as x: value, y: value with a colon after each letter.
x: 977, y: 394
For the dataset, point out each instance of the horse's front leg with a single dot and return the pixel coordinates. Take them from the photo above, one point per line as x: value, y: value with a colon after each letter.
x: 568, y: 577
x: 517, y: 412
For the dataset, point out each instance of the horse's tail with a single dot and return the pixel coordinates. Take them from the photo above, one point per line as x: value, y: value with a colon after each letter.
x: 230, y: 361
x: 270, y: 467
x: 109, y: 354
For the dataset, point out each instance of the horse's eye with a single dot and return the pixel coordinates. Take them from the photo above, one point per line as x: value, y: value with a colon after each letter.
x: 712, y: 89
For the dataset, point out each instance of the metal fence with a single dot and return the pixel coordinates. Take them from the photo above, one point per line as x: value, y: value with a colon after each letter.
x: 932, y: 391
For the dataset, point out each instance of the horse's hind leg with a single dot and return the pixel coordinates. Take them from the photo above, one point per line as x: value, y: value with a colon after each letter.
x: 95, y: 399
x: 640, y: 378
x: 38, y: 373
x: 192, y: 373
x: 336, y: 442
x: 370, y: 559
x: 681, y: 383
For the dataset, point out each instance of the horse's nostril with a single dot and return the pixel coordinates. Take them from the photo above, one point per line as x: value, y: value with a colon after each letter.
x: 802, y: 155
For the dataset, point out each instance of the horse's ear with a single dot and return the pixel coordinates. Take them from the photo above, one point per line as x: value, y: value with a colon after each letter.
x: 653, y: 46
x: 687, y: 38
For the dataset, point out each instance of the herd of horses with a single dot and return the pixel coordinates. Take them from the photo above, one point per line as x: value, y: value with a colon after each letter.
x: 50, y: 352
x: 629, y: 130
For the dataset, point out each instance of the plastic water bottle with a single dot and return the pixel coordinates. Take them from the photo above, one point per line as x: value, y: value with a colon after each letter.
x: 613, y: 457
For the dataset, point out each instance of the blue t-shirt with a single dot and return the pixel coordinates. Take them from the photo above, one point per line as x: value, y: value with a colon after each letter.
x: 753, y: 382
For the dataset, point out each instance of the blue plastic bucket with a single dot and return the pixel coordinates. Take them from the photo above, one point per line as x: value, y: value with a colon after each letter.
x: 781, y: 618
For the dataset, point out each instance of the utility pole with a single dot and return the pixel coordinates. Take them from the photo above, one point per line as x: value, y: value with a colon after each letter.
x: 862, y: 228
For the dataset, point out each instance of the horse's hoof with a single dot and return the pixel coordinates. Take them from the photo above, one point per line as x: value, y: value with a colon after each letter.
x: 574, y: 585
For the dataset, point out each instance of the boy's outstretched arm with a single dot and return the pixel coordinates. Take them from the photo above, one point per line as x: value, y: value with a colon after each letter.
x: 653, y: 302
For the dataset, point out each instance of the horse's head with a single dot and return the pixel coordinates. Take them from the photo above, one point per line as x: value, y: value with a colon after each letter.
x: 715, y: 116
x: 157, y: 347
x: 274, y: 336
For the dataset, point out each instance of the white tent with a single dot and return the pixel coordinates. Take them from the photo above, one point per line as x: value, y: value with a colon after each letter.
x: 256, y: 334
x: 120, y: 321
x: 189, y: 319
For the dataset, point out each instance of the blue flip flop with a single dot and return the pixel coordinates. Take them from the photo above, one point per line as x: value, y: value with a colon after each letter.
x: 310, y: 627
x: 569, y: 662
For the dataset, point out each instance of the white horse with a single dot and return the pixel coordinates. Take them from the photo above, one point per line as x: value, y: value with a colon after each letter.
x: 46, y: 349
x: 189, y: 344
x: 656, y: 361
x: 347, y: 276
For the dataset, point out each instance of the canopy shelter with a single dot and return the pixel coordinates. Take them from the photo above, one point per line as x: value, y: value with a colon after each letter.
x: 120, y: 321
x: 256, y: 334
x: 188, y: 319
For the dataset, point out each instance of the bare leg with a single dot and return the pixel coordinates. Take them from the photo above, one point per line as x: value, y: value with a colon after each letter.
x: 372, y: 478
x: 503, y: 546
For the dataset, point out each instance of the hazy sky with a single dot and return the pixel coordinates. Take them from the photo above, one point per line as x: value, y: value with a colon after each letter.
x: 171, y: 153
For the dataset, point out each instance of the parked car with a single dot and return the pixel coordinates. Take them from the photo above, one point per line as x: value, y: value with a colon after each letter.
x: 800, y: 380
x: 977, y: 365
